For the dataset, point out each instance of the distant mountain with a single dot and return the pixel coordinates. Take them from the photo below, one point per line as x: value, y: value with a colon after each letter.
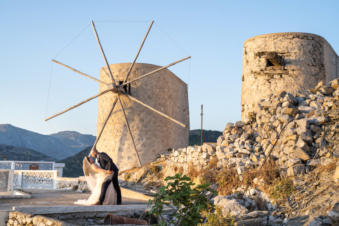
x: 208, y: 136
x: 8, y: 152
x: 59, y: 145
x: 74, y: 139
x: 73, y: 164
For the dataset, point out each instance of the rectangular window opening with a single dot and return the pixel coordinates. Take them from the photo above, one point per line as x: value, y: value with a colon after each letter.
x: 127, y: 88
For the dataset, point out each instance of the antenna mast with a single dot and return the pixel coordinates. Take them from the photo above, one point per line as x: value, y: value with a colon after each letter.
x: 201, y: 114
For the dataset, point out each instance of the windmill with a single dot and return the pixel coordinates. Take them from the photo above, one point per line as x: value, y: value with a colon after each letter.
x: 118, y: 88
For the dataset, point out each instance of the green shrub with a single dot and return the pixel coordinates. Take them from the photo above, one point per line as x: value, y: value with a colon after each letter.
x: 187, y: 201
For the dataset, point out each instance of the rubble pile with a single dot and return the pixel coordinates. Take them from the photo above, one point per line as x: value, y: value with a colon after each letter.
x: 297, y: 130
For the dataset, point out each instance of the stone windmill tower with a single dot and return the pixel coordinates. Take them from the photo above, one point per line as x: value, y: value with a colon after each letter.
x: 142, y: 110
x: 288, y: 62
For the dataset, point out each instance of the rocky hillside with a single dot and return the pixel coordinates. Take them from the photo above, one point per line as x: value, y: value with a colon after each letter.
x: 8, y: 152
x: 59, y: 145
x: 280, y: 167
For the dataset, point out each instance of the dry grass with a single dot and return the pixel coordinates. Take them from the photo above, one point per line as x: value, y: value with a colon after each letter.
x: 127, y: 176
x: 192, y: 171
x: 209, y: 177
x: 327, y: 168
x: 268, y: 172
x: 178, y: 169
x: 213, y: 163
x: 229, y: 179
x: 281, y: 188
x: 154, y: 169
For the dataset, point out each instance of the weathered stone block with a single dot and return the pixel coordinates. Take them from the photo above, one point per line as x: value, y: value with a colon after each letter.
x: 300, y: 153
x: 295, y: 170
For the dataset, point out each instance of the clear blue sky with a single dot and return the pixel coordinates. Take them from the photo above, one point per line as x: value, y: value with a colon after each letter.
x: 212, y: 32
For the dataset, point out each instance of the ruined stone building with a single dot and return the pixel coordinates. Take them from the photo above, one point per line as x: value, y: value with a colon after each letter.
x: 284, y: 61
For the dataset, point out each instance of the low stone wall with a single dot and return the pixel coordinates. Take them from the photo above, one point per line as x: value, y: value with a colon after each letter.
x: 71, y: 183
x: 18, y: 218
x: 71, y: 215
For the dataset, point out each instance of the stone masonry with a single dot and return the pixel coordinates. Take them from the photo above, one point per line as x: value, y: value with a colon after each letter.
x: 152, y: 133
x: 288, y: 62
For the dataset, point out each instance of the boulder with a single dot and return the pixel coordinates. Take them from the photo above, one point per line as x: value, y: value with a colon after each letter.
x: 333, y: 214
x: 230, y: 206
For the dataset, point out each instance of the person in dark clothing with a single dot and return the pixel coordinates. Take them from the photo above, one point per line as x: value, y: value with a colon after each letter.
x: 107, y: 166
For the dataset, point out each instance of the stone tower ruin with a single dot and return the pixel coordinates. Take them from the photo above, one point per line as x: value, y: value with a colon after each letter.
x: 152, y: 133
x: 284, y: 62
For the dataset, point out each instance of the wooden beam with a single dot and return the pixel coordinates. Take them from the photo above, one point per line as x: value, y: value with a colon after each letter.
x: 102, y: 51
x: 104, y: 125
x: 139, y: 50
x: 77, y: 105
x: 129, y: 131
x: 156, y: 70
x: 79, y: 72
x: 156, y: 111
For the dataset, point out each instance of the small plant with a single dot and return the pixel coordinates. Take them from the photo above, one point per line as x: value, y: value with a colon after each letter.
x: 187, y: 201
x: 217, y: 219
x: 281, y: 188
x: 227, y: 179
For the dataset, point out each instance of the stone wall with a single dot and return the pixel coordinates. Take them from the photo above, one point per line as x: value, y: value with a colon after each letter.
x: 71, y: 215
x: 288, y: 62
x: 152, y: 133
x: 18, y: 218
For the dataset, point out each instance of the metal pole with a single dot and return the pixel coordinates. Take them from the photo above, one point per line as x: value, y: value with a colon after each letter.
x: 201, y: 114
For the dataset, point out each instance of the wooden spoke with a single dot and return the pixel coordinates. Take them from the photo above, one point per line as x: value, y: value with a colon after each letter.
x: 79, y: 72
x: 104, y: 125
x: 77, y: 105
x: 156, y: 70
x: 102, y: 51
x: 129, y: 130
x: 136, y: 57
x: 156, y: 111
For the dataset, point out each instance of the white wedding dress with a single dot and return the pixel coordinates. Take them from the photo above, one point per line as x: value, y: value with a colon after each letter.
x: 94, y: 182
